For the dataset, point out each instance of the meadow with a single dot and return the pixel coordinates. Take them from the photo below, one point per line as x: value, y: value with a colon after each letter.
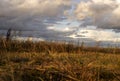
x: 55, y: 61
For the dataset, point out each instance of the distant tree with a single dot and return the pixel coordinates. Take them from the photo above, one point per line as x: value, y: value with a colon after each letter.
x: 8, y: 35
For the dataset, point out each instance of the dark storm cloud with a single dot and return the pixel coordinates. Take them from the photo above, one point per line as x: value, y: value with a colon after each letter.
x: 30, y: 14
x: 32, y: 17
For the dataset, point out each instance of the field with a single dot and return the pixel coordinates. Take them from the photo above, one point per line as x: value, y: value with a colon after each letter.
x: 52, y: 61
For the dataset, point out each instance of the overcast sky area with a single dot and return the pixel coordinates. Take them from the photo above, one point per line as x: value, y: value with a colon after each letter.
x: 84, y: 20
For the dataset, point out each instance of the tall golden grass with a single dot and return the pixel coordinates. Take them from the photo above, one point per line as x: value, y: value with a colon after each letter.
x: 48, y: 61
x: 43, y: 46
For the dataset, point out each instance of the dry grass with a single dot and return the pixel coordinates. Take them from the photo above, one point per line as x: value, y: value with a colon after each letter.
x: 45, y: 61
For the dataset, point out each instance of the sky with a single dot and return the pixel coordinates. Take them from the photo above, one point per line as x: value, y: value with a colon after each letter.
x: 84, y: 20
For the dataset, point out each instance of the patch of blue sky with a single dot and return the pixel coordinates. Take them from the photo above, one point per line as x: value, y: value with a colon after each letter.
x: 65, y: 25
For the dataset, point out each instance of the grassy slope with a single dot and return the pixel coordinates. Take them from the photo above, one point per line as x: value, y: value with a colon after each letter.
x: 45, y: 61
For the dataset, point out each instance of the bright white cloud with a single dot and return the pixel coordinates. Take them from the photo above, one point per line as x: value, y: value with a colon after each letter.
x: 101, y: 13
x: 97, y: 34
x: 103, y: 35
x: 59, y: 29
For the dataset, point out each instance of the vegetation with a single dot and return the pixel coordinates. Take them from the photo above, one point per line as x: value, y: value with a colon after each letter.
x: 48, y: 61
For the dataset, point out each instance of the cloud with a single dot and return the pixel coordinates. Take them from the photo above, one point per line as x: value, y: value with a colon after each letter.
x: 96, y: 35
x: 52, y: 19
x: 30, y: 14
x: 103, y: 35
x: 33, y: 7
x: 100, y: 13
